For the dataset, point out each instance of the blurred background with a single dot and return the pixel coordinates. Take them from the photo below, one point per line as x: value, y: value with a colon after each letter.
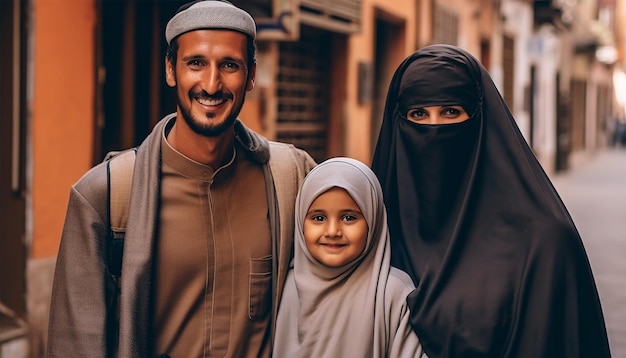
x: 79, y: 78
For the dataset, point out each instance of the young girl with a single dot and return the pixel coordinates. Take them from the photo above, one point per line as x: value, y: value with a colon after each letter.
x: 342, y: 298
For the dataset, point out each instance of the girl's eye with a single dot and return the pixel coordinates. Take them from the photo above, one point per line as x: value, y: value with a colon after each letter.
x: 317, y: 218
x: 349, y: 218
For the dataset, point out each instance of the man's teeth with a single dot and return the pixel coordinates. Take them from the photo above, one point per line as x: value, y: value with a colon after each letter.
x: 210, y: 102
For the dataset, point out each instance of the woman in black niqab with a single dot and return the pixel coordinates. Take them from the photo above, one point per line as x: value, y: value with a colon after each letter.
x: 499, y: 266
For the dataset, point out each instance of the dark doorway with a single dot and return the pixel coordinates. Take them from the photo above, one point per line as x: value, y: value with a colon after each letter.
x: 131, y: 93
x: 563, y: 128
x: 12, y: 168
x: 389, y: 53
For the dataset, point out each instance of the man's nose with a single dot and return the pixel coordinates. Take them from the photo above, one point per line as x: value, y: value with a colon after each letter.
x: 212, y: 79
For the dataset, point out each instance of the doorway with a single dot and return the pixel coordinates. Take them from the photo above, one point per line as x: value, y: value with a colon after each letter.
x: 131, y: 93
x: 13, y: 250
x: 389, y: 53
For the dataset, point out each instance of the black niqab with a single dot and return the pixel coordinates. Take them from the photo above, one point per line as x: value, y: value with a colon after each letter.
x: 499, y: 266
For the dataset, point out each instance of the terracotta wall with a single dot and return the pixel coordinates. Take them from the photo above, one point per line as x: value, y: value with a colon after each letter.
x: 62, y: 116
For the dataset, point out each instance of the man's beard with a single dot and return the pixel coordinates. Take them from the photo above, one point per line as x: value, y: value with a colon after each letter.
x: 204, y: 128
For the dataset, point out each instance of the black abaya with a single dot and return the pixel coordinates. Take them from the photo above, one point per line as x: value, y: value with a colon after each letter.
x: 499, y: 266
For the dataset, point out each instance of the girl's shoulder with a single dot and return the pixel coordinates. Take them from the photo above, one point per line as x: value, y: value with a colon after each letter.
x: 400, y: 282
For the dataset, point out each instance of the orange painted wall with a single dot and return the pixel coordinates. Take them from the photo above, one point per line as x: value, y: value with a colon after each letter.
x: 62, y: 111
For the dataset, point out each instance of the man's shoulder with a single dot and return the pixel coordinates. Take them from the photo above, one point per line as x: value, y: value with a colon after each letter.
x: 95, y: 181
x: 280, y: 148
x: 94, y: 177
x: 92, y: 188
x: 282, y: 145
x: 282, y: 151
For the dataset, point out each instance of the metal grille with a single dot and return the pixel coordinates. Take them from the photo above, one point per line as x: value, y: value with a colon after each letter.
x: 302, y: 89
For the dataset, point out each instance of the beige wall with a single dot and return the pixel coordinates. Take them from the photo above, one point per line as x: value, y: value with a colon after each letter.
x: 62, y: 112
x: 361, y: 48
x: 470, y: 27
x: 473, y: 19
x: 620, y: 35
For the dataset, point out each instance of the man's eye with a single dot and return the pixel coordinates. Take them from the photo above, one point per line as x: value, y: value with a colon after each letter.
x: 231, y: 65
x: 194, y: 63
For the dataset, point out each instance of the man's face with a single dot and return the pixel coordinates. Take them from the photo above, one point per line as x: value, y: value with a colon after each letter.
x: 211, y: 79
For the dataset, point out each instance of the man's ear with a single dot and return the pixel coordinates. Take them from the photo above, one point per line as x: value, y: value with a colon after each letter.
x: 251, y: 78
x: 170, y: 73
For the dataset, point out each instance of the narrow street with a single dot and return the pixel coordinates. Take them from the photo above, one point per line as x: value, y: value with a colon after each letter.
x: 595, y: 195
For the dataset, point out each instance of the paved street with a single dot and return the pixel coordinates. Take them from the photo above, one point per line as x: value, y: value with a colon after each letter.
x: 595, y: 194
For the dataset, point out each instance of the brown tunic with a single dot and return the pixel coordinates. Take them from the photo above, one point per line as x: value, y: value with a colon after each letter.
x: 213, y: 260
x: 88, y: 327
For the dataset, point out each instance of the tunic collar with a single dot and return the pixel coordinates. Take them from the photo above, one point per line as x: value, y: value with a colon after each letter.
x: 187, y: 166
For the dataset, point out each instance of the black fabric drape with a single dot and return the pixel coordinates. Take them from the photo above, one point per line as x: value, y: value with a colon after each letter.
x: 499, y: 265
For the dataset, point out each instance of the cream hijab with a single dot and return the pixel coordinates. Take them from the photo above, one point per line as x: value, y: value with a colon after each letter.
x: 338, y: 312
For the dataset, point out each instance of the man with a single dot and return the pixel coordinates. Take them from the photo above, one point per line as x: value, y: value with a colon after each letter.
x: 205, y: 251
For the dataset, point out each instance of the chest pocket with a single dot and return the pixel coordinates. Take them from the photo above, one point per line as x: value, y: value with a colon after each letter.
x: 260, y: 287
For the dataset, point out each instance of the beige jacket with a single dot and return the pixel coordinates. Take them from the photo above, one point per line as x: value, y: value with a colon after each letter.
x: 83, y: 319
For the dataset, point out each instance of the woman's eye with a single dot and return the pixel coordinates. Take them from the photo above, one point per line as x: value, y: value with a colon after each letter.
x: 417, y: 113
x: 451, y: 112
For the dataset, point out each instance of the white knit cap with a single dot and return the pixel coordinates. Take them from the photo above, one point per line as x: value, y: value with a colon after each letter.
x: 210, y: 14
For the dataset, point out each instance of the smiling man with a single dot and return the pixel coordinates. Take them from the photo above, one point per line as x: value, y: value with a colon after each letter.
x: 205, y: 251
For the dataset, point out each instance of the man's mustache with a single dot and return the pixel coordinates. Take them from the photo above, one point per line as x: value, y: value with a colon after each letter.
x: 206, y: 95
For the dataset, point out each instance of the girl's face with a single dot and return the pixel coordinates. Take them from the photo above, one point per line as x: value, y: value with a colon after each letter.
x: 437, y: 115
x: 335, y: 230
